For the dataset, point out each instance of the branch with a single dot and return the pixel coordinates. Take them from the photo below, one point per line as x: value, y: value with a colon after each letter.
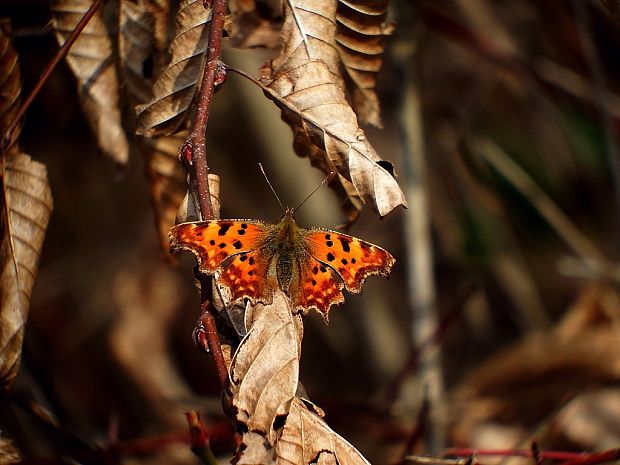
x: 196, y: 145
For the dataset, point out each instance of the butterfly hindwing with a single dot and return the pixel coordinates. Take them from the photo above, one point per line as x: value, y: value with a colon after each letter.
x: 249, y: 275
x: 315, y: 285
x: 353, y: 258
x: 216, y: 240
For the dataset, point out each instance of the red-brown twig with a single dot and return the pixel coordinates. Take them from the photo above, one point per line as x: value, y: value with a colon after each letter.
x: 196, y: 143
x: 51, y: 66
x: 569, y: 458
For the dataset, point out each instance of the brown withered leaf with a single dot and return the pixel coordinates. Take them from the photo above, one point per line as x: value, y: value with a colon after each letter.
x: 166, y: 178
x: 141, y: 44
x: 10, y: 85
x: 304, y: 82
x: 360, y: 40
x: 26, y: 208
x: 265, y: 368
x: 176, y: 86
x: 254, y: 23
x: 92, y: 60
x: 305, y: 439
x: 526, y: 382
x: 8, y: 454
x: 317, y: 110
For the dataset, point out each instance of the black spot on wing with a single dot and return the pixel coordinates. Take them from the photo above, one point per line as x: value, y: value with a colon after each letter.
x: 224, y: 227
x: 344, y: 241
x: 237, y: 244
x: 330, y: 257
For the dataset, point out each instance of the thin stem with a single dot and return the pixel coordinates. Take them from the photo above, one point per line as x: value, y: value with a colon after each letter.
x: 196, y: 143
x: 51, y: 66
x: 197, y: 137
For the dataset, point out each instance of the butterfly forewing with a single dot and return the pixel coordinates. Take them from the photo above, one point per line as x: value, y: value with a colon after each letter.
x: 353, y: 258
x: 214, y: 241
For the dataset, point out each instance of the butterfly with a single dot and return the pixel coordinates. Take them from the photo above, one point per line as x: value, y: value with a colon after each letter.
x: 253, y: 259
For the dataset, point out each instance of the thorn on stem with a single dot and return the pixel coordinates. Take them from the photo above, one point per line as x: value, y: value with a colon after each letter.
x: 200, y: 337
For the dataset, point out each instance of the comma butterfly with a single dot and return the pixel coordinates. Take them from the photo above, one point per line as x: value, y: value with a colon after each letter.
x: 253, y: 259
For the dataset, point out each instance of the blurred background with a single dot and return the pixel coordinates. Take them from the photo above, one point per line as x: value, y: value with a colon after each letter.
x: 500, y: 323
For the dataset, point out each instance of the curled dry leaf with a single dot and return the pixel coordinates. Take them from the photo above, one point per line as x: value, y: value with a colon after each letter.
x: 92, y: 60
x: 304, y: 82
x: 10, y: 85
x: 8, y: 454
x: 316, y: 108
x: 141, y: 43
x: 166, y: 178
x: 176, y: 86
x: 360, y: 40
x: 265, y: 368
x: 304, y: 439
x: 26, y: 208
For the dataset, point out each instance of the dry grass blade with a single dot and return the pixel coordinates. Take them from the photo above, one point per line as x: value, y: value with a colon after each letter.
x: 167, y: 182
x: 141, y: 41
x: 304, y: 82
x: 360, y: 40
x: 176, y: 86
x: 92, y: 60
x: 27, y: 205
x: 265, y: 368
x: 10, y: 85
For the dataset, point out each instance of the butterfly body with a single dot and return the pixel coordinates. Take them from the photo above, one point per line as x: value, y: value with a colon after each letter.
x: 252, y: 259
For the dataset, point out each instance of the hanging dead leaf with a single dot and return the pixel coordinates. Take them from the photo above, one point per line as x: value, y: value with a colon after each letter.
x: 360, y: 40
x: 141, y: 43
x: 10, y: 85
x: 176, y: 86
x: 254, y: 23
x: 265, y: 368
x: 305, y: 439
x: 8, y: 454
x: 167, y: 184
x: 304, y: 82
x: 92, y: 60
x: 26, y: 208
x: 316, y: 108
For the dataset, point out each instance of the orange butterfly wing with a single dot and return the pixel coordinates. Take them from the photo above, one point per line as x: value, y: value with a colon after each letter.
x: 234, y: 249
x: 214, y: 241
x: 315, y: 285
x: 352, y: 258
x: 249, y: 275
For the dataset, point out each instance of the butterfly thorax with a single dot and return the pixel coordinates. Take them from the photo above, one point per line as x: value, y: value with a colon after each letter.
x: 287, y: 244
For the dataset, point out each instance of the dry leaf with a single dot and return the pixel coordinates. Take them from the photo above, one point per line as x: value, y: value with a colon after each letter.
x: 360, y: 40
x: 167, y: 184
x: 141, y: 42
x: 8, y: 454
x: 304, y: 82
x: 92, y: 60
x: 10, y: 85
x: 316, y: 108
x: 305, y: 439
x: 265, y: 368
x: 253, y: 23
x: 176, y: 86
x: 526, y: 382
x: 27, y: 205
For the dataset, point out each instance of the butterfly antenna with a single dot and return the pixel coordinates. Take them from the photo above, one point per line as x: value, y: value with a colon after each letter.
x: 260, y: 165
x: 327, y: 178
